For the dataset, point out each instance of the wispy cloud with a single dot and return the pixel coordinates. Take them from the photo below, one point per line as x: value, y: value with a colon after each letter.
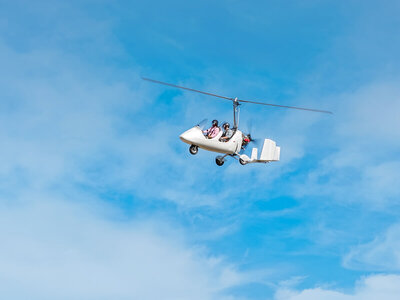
x: 368, y: 288
x: 52, y: 247
x: 100, y: 198
x: 365, y: 150
x: 380, y: 254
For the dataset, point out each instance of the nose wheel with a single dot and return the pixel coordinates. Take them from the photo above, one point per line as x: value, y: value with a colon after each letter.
x: 193, y: 149
x: 219, y: 160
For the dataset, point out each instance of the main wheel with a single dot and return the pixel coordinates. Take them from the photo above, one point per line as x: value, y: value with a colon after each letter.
x: 219, y: 160
x: 242, y: 162
x: 193, y: 149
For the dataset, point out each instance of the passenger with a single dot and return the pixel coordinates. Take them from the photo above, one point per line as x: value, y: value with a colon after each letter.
x: 227, y: 134
x: 213, y: 131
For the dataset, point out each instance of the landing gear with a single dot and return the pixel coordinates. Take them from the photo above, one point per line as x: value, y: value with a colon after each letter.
x: 242, y: 162
x: 193, y: 149
x: 219, y: 160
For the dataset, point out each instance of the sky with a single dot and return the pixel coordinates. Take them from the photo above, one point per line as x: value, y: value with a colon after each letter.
x: 99, y: 199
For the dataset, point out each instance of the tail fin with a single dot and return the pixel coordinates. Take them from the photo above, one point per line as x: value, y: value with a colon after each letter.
x: 270, y: 152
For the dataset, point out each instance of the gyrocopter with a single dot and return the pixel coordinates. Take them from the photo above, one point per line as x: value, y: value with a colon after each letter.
x: 236, y: 142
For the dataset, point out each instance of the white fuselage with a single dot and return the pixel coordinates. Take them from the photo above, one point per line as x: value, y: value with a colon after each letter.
x: 195, y: 136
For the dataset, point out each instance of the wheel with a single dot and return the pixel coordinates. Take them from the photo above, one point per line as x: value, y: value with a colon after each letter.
x: 242, y: 162
x: 193, y: 149
x: 219, y: 160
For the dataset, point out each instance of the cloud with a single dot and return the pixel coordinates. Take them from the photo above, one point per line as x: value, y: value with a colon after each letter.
x: 368, y: 288
x: 361, y: 167
x: 78, y: 125
x: 75, y: 136
x: 74, y: 131
x: 55, y: 248
x: 381, y: 254
x: 67, y: 125
x: 69, y: 136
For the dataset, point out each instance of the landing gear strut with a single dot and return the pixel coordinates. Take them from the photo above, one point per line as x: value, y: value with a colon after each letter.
x: 219, y: 160
x: 193, y: 149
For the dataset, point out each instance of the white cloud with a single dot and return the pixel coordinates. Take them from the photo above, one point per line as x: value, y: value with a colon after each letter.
x: 381, y: 254
x: 369, y: 288
x: 67, y: 124
x: 52, y: 248
x: 363, y: 164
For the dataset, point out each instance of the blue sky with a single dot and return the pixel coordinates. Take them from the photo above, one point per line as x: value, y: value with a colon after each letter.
x: 101, y: 200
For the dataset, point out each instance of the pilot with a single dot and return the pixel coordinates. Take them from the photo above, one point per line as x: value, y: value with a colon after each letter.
x: 227, y: 134
x: 213, y: 131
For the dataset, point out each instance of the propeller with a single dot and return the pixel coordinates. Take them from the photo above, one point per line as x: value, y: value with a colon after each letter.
x: 249, y: 139
x: 250, y: 126
x: 256, y: 141
x: 253, y: 140
x: 235, y: 100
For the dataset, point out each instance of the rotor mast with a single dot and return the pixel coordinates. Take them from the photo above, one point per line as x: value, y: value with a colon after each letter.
x: 236, y: 111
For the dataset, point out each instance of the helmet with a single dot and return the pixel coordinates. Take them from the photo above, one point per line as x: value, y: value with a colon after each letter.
x: 226, y: 124
x: 215, y: 123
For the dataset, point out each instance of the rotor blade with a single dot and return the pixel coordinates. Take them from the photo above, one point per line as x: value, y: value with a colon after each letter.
x: 285, y: 106
x: 233, y: 99
x: 185, y: 88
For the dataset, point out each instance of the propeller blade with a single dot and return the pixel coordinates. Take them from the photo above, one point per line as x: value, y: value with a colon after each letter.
x: 256, y: 141
x: 249, y: 124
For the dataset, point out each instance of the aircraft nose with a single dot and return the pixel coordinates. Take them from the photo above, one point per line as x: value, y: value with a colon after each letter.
x: 185, y: 137
x: 189, y: 136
